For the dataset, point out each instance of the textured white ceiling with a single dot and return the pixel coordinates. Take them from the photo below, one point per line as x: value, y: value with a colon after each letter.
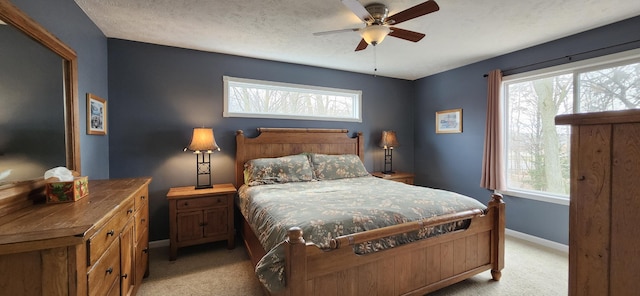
x: 461, y: 33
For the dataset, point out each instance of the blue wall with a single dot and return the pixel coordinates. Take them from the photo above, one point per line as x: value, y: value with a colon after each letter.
x: 65, y: 20
x: 453, y: 161
x: 158, y: 94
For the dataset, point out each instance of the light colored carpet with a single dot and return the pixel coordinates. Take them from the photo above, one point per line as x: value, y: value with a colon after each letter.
x: 211, y: 269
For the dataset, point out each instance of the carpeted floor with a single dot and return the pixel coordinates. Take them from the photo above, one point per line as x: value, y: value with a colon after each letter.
x: 211, y: 269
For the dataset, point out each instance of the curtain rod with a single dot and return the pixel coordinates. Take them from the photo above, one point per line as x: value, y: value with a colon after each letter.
x: 569, y: 57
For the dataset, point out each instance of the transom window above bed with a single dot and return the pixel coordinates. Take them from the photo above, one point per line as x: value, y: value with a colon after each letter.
x: 536, y: 151
x: 268, y: 99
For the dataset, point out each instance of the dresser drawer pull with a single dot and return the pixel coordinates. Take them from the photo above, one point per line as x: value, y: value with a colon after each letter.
x: 110, y: 270
x: 145, y: 250
x: 143, y: 220
x: 129, y: 211
x: 142, y: 197
x: 219, y: 200
x: 124, y: 276
x: 111, y: 232
x: 186, y: 204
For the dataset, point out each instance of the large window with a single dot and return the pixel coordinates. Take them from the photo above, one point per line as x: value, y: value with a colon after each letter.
x: 266, y: 99
x: 536, y: 150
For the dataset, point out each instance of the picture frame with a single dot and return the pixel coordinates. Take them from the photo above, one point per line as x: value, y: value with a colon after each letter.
x: 96, y: 115
x: 449, y: 121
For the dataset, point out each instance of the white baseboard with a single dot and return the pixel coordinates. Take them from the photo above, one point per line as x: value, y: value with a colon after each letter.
x: 537, y: 240
x: 509, y: 232
x: 158, y: 244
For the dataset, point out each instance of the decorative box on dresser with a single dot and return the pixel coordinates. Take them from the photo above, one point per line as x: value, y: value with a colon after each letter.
x: 97, y: 245
x: 397, y: 176
x: 200, y: 216
x: 604, y: 238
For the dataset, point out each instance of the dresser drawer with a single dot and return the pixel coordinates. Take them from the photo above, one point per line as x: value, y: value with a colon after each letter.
x: 105, y: 236
x: 199, y: 203
x: 141, y: 198
x: 106, y: 272
x: 141, y: 222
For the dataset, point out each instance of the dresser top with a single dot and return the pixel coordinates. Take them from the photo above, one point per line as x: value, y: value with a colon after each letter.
x: 68, y: 222
x: 607, y: 117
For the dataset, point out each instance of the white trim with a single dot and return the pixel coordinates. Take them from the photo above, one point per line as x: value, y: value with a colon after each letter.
x: 159, y: 244
x: 556, y: 199
x: 537, y: 240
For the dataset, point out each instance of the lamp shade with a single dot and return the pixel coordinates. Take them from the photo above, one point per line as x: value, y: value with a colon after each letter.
x: 203, y: 140
x: 389, y: 140
x: 374, y: 34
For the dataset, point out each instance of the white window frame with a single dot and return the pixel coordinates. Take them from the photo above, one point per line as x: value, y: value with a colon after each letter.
x: 611, y: 60
x: 356, y: 96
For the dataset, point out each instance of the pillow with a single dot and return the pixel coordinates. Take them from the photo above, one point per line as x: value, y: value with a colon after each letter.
x: 330, y: 167
x: 292, y: 168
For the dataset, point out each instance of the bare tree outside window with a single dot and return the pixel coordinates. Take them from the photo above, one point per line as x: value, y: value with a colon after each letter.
x: 537, y: 151
x: 253, y: 98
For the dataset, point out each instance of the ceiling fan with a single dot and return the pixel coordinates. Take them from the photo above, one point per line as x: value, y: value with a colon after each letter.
x: 379, y: 24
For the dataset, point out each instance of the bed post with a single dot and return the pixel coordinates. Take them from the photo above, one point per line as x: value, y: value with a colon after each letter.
x: 296, y: 262
x: 497, y: 205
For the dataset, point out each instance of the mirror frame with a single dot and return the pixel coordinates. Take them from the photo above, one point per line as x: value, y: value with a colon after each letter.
x: 13, y: 16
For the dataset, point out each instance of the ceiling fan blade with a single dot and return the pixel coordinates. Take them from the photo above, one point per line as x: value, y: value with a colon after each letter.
x: 357, y: 9
x: 336, y: 31
x: 362, y: 45
x: 406, y: 34
x: 414, y: 12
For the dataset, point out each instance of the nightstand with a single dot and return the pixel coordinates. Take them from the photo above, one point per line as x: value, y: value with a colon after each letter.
x: 200, y: 216
x: 397, y: 176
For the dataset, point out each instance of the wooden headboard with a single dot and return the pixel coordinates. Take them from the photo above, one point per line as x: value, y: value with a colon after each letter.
x: 276, y: 142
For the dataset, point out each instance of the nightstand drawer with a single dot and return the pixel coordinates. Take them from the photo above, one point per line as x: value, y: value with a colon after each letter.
x: 198, y: 203
x: 404, y: 180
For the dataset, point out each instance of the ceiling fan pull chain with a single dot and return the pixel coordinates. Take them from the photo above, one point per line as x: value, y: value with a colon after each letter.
x: 375, y: 62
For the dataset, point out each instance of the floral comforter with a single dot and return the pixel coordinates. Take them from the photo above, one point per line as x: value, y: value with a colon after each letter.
x: 331, y: 208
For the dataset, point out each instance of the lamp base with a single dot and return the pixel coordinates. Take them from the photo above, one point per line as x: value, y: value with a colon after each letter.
x: 203, y: 186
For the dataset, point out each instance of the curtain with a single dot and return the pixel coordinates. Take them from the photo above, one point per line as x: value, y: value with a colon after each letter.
x: 492, y: 177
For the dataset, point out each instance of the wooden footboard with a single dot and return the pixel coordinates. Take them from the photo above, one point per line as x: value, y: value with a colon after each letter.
x: 411, y: 269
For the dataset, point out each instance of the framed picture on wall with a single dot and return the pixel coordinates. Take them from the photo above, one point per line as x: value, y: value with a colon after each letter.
x: 96, y: 115
x: 449, y: 121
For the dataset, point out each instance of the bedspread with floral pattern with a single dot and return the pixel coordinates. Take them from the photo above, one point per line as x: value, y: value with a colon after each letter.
x: 328, y: 209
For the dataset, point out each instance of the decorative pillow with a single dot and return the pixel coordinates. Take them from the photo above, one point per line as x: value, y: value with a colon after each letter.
x: 330, y: 167
x: 292, y: 168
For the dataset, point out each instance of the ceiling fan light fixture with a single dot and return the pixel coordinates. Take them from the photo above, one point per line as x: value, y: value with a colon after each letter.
x: 374, y: 34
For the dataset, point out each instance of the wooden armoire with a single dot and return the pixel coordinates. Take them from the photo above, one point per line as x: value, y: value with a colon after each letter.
x: 604, y: 212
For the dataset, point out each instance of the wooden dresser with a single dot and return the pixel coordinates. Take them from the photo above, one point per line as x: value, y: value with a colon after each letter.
x: 604, y: 238
x: 97, y: 245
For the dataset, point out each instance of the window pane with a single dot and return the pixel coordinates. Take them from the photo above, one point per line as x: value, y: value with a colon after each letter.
x: 253, y: 98
x: 538, y: 150
x: 616, y: 88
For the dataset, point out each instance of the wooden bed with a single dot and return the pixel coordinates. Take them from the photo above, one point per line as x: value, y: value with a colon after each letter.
x: 411, y: 269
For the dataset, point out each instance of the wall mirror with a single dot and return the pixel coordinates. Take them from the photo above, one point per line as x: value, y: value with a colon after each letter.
x: 38, y: 101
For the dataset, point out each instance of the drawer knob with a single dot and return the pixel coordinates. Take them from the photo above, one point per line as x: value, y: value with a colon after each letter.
x: 124, y: 276
x: 129, y: 211
x: 111, y: 232
x: 110, y: 270
x: 142, y: 197
x: 186, y: 203
x: 143, y: 220
x: 145, y: 250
